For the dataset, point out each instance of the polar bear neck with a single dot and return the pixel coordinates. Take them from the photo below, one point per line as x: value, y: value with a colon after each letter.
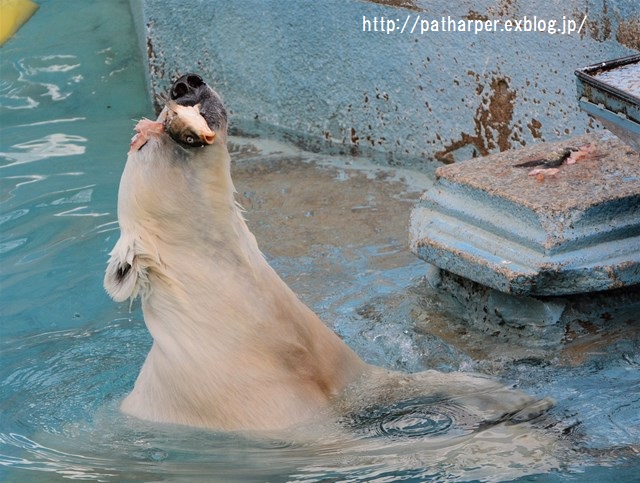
x: 219, y: 315
x: 173, y: 197
x: 190, y: 231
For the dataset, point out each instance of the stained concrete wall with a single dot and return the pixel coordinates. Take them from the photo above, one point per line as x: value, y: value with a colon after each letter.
x: 306, y: 70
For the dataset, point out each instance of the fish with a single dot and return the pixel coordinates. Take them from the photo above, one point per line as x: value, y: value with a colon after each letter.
x: 184, y: 124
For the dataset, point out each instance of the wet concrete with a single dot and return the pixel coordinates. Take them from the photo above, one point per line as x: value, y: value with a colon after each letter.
x: 565, y: 328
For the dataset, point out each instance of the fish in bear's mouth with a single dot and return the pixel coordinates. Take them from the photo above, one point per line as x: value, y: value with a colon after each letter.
x: 191, y: 117
x: 184, y: 124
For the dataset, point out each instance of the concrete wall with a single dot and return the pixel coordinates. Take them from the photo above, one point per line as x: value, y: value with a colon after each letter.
x: 306, y: 71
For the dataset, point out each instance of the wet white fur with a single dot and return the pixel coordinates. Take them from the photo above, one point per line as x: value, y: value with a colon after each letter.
x: 233, y: 347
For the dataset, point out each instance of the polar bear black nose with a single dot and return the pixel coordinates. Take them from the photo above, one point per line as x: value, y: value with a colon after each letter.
x: 190, y: 89
x: 187, y: 84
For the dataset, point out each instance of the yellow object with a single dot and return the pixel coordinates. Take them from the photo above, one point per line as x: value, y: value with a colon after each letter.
x: 13, y: 14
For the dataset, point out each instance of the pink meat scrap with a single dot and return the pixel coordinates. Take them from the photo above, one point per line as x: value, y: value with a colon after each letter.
x: 144, y: 130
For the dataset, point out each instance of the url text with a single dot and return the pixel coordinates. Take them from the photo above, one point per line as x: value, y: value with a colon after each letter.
x: 422, y: 26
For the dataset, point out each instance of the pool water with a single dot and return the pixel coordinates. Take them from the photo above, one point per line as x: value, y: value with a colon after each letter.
x: 71, y: 88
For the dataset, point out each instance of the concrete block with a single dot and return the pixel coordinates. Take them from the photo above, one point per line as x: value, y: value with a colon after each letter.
x: 572, y: 228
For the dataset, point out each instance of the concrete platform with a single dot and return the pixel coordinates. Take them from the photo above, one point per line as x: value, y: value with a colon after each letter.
x: 573, y: 231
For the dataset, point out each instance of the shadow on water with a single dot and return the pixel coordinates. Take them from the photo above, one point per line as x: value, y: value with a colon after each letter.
x: 335, y: 228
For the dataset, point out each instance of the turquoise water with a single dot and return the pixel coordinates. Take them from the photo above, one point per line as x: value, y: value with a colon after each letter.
x: 71, y: 87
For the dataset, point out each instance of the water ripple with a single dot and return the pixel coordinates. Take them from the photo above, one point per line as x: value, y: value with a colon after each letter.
x: 51, y: 145
x: 46, y: 459
x: 423, y: 417
x: 8, y: 245
x: 29, y: 79
x: 13, y: 215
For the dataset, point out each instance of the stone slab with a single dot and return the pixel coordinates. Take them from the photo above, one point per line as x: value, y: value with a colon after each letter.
x: 574, y: 231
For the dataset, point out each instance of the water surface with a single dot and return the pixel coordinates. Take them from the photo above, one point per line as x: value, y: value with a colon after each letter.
x: 71, y: 88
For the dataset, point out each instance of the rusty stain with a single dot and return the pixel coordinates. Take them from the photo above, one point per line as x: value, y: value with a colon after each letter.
x: 473, y: 15
x: 504, y: 8
x: 597, y: 27
x: 629, y: 33
x: 606, y: 21
x: 612, y: 273
x: 492, y: 121
x: 534, y: 126
x: 354, y: 138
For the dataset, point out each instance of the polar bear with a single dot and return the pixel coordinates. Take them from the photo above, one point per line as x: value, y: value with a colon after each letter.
x: 233, y: 347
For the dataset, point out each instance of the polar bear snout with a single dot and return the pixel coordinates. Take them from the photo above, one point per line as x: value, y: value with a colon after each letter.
x: 186, y: 84
x: 190, y: 90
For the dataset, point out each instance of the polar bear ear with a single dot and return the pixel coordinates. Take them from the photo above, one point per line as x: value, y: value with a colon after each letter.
x: 121, y: 280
